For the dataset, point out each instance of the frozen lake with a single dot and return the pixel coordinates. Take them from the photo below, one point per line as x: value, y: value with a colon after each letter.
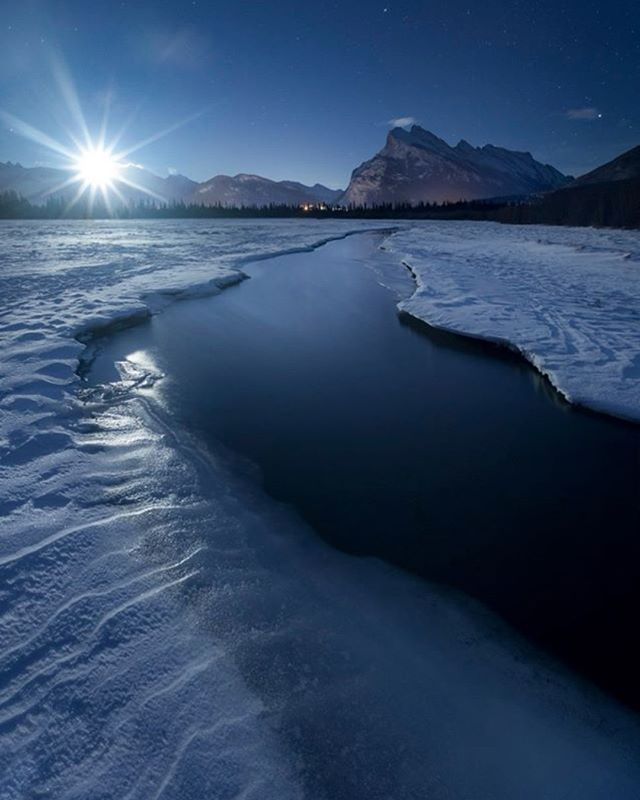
x: 446, y: 457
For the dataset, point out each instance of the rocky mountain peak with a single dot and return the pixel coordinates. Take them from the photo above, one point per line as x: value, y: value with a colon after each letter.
x: 417, y: 166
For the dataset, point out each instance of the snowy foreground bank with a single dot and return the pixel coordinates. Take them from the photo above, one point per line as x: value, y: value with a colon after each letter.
x: 166, y: 631
x: 567, y: 298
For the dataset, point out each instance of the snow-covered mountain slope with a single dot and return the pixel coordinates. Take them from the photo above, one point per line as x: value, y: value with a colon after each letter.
x: 567, y: 298
x: 416, y: 166
x: 166, y: 633
x: 624, y: 167
x: 253, y: 190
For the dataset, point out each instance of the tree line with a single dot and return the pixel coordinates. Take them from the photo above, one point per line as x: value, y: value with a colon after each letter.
x: 14, y: 206
x: 615, y: 204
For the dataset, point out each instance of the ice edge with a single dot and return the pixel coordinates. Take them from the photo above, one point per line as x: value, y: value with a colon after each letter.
x: 590, y: 406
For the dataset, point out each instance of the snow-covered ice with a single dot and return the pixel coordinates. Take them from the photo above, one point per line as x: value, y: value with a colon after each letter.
x: 166, y: 631
x: 567, y: 298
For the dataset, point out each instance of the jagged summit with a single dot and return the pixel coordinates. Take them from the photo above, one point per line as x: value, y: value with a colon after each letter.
x: 417, y: 166
x: 417, y: 136
x: 464, y: 147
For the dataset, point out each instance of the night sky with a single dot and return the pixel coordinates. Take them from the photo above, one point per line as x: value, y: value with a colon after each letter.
x: 307, y: 90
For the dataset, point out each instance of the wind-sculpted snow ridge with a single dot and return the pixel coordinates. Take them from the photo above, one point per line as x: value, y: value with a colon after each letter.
x: 567, y: 298
x: 168, y: 632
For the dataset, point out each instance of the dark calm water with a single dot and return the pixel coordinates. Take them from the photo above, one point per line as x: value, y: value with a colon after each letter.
x: 441, y: 456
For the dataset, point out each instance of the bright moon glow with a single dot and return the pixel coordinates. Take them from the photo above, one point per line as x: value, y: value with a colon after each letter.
x: 97, y: 167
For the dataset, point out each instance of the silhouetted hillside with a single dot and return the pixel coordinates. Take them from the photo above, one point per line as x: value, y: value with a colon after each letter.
x: 615, y: 204
x: 622, y: 168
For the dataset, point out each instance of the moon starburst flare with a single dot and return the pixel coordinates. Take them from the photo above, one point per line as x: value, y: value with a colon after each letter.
x: 98, y: 168
x: 95, y: 165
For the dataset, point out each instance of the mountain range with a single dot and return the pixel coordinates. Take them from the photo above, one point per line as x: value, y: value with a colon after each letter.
x: 253, y: 190
x: 36, y: 184
x: 414, y: 166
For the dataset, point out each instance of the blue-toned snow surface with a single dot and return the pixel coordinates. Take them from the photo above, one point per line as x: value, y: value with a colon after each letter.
x: 167, y: 631
x: 567, y: 298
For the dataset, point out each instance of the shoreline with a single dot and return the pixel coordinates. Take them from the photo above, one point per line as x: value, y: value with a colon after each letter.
x: 419, y: 307
x: 155, y: 301
x: 490, y: 353
x: 505, y: 349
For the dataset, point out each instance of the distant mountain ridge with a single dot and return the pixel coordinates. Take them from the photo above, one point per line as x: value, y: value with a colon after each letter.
x: 253, y: 190
x: 37, y: 184
x: 624, y: 167
x: 417, y: 166
x: 608, y: 196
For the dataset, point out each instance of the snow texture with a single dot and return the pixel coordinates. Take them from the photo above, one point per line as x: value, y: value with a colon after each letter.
x: 168, y: 632
x: 567, y: 298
